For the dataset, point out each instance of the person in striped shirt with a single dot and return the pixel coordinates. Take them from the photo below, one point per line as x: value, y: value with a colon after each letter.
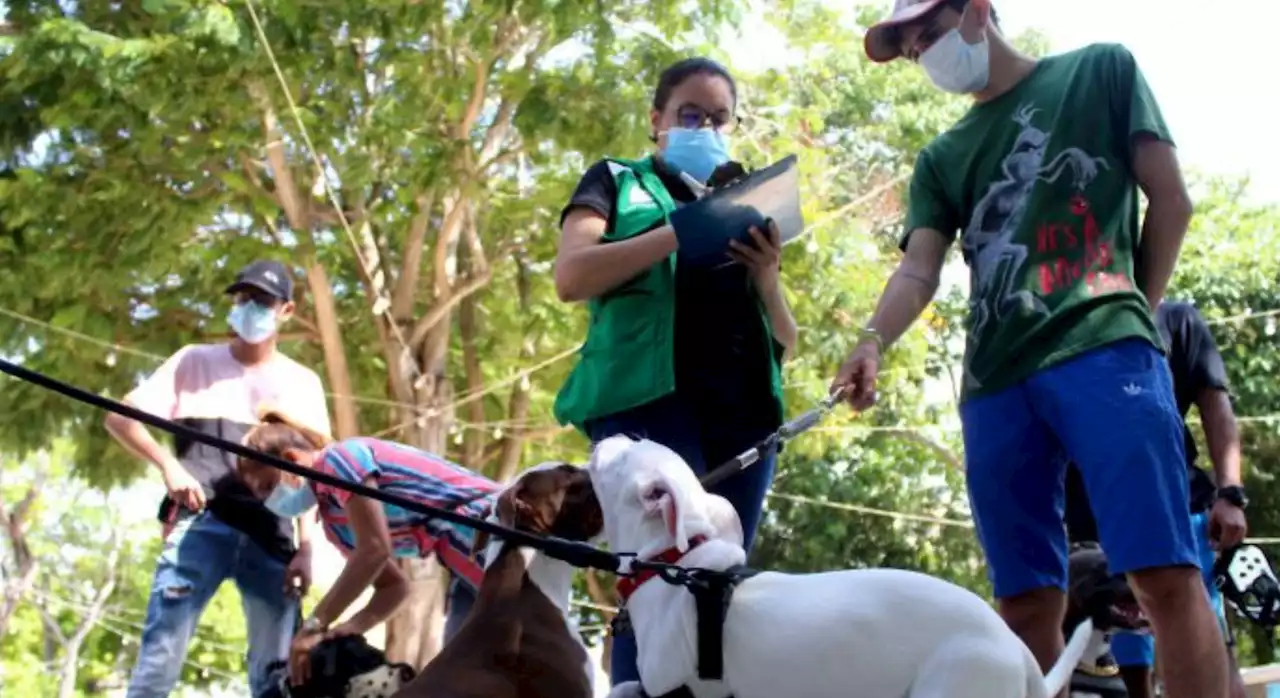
x: 369, y: 533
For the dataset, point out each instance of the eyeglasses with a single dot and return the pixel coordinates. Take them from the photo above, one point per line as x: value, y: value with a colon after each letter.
x: 691, y: 116
x: 260, y: 298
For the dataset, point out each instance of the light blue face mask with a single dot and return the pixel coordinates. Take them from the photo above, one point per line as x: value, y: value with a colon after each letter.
x: 696, y: 152
x: 252, y: 322
x: 290, y: 501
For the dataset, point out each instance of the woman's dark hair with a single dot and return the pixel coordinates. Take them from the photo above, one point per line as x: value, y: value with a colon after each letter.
x: 678, y: 72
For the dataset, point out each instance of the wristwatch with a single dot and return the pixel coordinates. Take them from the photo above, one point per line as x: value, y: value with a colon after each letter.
x: 311, y: 625
x: 1234, y: 495
x: 872, y: 334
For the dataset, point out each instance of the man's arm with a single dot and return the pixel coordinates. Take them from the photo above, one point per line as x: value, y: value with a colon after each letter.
x: 157, y: 395
x: 1207, y: 374
x: 1169, y: 209
x: 912, y: 285
x: 1153, y: 160
x: 1222, y: 434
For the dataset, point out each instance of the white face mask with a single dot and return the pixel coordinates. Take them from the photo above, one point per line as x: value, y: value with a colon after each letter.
x: 957, y: 66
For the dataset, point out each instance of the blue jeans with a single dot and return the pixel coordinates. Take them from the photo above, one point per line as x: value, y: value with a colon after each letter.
x: 672, y: 423
x: 201, y: 553
x: 1110, y: 411
x: 1132, y: 649
x: 461, y: 599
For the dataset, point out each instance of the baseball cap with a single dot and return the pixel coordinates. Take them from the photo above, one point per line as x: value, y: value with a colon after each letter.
x: 881, y: 41
x: 267, y: 276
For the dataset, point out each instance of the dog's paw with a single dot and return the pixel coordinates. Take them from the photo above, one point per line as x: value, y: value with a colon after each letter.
x: 629, y: 689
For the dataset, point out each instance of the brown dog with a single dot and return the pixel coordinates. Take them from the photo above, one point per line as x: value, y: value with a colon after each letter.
x: 517, y: 641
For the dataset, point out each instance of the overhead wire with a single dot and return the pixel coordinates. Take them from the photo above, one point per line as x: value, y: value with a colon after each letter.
x: 133, y: 351
x: 381, y: 305
x: 106, y: 619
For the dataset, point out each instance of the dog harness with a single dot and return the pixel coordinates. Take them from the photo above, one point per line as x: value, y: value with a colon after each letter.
x: 712, y: 591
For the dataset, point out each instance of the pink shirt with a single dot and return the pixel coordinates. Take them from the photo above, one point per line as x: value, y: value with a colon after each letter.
x: 204, y: 381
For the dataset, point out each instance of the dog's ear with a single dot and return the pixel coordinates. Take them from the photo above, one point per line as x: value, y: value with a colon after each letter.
x: 512, y: 508
x: 662, y: 498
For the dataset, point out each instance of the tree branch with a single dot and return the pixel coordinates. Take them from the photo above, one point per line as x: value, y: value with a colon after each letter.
x: 916, y: 436
x: 411, y: 263
x: 475, y: 104
x: 286, y: 191
x: 441, y: 308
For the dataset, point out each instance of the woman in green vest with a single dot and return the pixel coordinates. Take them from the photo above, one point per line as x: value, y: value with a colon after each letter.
x: 686, y: 356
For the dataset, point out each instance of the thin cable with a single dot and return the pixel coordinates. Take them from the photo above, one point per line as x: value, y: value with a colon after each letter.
x: 527, y: 423
x: 133, y: 351
x: 1244, y: 316
x: 130, y: 623
x: 324, y: 179
x: 872, y: 511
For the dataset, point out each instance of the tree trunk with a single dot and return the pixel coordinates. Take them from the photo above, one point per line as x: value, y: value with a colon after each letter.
x: 345, y: 422
x: 473, y: 437
x: 518, y: 405
x: 415, y: 633
x: 68, y: 671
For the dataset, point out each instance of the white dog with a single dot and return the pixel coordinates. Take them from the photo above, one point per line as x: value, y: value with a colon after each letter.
x: 879, y: 633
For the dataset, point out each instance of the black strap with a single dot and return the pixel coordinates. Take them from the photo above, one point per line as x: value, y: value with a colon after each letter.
x: 711, y: 597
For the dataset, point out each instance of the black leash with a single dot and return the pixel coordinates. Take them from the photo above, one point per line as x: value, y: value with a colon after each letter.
x: 572, y: 552
x: 784, y: 433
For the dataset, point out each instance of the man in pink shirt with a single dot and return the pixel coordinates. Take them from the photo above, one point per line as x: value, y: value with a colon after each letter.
x: 215, y: 528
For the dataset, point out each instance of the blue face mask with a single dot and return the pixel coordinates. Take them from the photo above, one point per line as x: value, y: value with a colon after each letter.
x: 252, y: 322
x: 696, y: 152
x: 290, y: 501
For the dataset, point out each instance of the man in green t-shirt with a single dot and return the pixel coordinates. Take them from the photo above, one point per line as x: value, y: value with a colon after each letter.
x: 1063, y: 360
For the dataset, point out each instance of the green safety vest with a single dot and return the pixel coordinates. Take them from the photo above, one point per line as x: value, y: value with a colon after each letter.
x: 628, y: 359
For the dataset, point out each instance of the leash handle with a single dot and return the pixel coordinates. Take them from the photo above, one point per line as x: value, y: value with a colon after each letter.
x: 784, y: 433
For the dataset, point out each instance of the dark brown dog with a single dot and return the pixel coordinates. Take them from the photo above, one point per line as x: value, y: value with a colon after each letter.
x: 1095, y: 593
x: 516, y: 642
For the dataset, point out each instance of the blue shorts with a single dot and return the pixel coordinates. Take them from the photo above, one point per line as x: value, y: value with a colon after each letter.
x: 1110, y: 411
x: 1131, y: 649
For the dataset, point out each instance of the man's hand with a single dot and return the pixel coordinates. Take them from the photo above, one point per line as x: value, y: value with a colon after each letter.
x: 297, y: 576
x: 183, y: 487
x: 300, y: 656
x: 857, y: 377
x: 1227, y: 525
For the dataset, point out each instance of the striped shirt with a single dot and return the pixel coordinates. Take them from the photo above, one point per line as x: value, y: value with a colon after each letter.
x: 413, y: 474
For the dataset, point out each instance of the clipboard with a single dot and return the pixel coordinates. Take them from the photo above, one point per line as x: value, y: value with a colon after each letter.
x: 704, y: 227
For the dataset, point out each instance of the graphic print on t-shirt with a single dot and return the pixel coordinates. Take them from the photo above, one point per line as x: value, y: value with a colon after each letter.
x: 989, y: 241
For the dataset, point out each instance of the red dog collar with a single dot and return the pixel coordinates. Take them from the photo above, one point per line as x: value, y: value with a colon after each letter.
x: 626, y: 586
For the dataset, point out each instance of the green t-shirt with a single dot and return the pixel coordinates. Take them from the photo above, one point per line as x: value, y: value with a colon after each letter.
x: 1040, y: 181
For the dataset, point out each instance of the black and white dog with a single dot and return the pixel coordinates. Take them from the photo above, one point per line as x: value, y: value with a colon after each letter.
x: 343, y: 667
x: 1108, y: 601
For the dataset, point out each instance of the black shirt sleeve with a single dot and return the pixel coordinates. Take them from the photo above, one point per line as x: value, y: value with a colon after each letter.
x: 1200, y: 359
x: 596, y: 191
